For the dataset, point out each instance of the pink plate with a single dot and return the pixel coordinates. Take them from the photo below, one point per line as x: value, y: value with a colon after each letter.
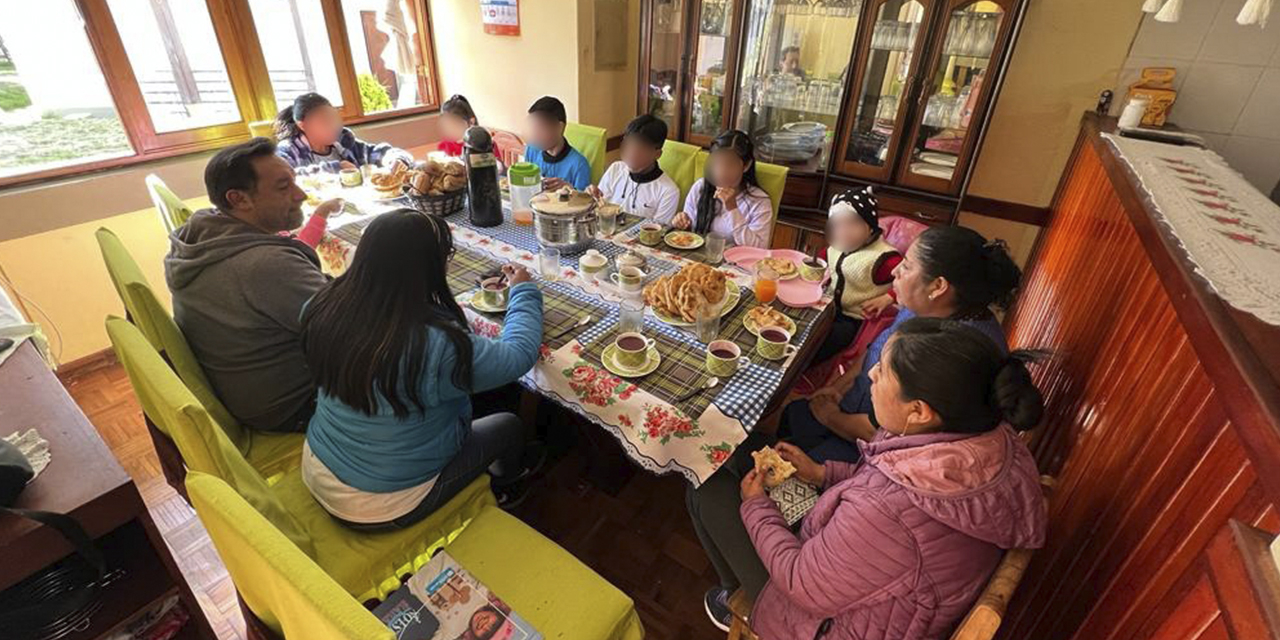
x: 745, y: 256
x: 798, y: 293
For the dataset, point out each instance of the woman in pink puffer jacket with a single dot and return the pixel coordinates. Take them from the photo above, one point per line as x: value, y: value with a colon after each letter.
x: 900, y: 545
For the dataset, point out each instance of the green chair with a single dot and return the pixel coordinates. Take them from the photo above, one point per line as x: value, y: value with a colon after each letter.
x: 291, y: 595
x: 367, y: 566
x: 589, y: 141
x: 269, y: 453
x: 678, y: 160
x: 173, y: 211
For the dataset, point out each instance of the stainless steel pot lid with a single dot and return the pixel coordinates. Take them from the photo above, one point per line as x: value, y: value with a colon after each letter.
x: 564, y: 202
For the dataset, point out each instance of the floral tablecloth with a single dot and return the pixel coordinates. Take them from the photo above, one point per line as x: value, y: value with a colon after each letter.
x: 693, y: 437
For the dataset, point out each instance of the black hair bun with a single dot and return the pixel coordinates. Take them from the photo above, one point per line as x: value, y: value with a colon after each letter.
x: 1015, y: 395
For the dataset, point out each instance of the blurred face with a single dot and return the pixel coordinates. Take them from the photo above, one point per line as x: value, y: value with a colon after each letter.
x: 545, y: 133
x: 791, y: 62
x: 322, y: 126
x: 453, y: 126
x: 275, y: 204
x: 638, y: 154
x: 848, y: 232
x: 727, y: 168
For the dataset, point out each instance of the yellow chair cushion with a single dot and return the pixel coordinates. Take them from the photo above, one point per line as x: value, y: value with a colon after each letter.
x: 368, y: 565
x: 280, y: 584
x: 561, y: 597
x: 679, y: 160
x: 589, y: 141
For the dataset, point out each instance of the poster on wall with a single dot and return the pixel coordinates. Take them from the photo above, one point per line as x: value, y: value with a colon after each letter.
x: 501, y: 17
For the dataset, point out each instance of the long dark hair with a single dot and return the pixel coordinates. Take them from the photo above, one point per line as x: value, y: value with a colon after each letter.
x: 964, y: 377
x: 981, y: 272
x: 288, y: 118
x: 740, y: 143
x: 458, y: 105
x: 365, y: 334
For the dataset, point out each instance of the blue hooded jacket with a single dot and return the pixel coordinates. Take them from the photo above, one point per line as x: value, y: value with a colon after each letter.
x: 382, y: 453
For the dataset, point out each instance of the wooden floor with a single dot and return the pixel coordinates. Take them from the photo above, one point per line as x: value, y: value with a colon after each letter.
x: 639, y: 539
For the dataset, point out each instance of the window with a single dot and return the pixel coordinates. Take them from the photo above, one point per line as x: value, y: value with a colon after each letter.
x: 389, y: 54
x: 55, y: 108
x: 295, y: 44
x: 190, y: 75
x: 177, y: 62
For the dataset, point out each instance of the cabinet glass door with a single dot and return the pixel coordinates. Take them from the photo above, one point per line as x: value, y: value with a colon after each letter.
x: 795, y: 61
x: 955, y: 94
x: 664, y: 67
x: 712, y: 62
x: 884, y: 84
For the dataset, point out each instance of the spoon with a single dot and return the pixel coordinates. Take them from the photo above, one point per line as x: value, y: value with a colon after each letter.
x: 582, y: 322
x: 709, y: 384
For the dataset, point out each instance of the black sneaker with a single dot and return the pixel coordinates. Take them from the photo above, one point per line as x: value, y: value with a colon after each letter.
x: 534, y: 458
x: 716, y: 604
x: 511, y: 496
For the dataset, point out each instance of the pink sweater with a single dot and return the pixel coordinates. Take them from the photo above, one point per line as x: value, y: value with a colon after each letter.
x: 312, y: 232
x: 900, y: 545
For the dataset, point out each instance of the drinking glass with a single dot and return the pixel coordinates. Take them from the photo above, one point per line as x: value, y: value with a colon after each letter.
x: 608, y: 220
x: 766, y: 285
x: 630, y: 316
x: 715, y: 248
x: 549, y: 263
x: 708, y: 321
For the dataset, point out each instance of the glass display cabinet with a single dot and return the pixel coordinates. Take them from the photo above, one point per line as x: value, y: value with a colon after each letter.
x: 795, y: 61
x: 893, y: 93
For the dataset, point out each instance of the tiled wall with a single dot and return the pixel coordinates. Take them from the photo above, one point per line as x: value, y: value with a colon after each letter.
x: 1228, y: 82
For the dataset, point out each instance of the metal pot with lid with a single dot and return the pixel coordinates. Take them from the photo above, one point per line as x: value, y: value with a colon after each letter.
x: 564, y: 219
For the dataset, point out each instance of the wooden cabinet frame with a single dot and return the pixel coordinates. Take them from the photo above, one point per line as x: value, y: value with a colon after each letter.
x: 924, y: 88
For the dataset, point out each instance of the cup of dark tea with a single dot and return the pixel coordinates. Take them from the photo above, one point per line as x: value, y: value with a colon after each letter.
x: 724, y: 358
x: 773, y: 343
x: 494, y: 291
x: 633, y: 349
x: 651, y: 233
x: 813, y: 269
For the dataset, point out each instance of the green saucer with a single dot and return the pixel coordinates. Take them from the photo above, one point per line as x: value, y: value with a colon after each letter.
x: 610, y: 361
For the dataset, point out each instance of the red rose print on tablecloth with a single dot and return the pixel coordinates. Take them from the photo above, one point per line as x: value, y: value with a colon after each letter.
x: 664, y: 422
x: 482, y: 327
x: 544, y: 353
x: 718, y: 453
x: 625, y: 420
x: 596, y: 386
x: 526, y: 256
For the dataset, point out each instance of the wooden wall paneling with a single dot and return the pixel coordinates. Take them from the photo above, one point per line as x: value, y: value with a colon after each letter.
x: 1150, y: 462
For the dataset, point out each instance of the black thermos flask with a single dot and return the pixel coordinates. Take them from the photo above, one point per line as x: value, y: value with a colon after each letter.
x: 482, y: 178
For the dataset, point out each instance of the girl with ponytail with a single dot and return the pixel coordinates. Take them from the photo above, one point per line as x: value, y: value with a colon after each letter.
x: 728, y: 199
x: 456, y: 116
x: 311, y: 138
x: 900, y: 545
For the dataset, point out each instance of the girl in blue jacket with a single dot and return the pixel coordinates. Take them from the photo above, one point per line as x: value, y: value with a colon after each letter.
x: 392, y: 438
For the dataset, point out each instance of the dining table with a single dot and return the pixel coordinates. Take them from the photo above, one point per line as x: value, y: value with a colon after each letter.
x: 662, y: 420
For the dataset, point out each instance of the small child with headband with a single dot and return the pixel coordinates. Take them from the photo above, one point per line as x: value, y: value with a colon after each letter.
x: 860, y: 264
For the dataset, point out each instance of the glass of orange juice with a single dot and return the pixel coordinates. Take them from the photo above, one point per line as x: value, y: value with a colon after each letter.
x: 766, y: 285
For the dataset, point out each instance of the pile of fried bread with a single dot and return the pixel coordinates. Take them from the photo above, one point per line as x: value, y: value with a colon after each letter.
x: 680, y: 295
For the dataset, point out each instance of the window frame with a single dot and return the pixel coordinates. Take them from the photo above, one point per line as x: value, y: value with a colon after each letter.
x: 238, y: 41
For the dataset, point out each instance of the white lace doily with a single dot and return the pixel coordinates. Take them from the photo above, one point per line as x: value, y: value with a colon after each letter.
x: 1230, y: 231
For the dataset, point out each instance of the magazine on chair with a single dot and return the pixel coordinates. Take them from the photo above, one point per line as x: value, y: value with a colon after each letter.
x: 444, y: 602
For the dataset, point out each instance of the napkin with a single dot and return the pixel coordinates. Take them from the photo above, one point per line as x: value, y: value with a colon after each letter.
x: 33, y: 447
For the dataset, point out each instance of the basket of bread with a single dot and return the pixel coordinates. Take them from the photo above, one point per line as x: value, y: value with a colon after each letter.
x: 434, y: 187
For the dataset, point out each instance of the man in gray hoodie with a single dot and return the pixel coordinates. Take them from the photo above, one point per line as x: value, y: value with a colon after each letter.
x: 239, y: 286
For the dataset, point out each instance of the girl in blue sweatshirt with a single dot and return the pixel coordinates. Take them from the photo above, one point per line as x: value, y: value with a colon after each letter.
x: 392, y: 438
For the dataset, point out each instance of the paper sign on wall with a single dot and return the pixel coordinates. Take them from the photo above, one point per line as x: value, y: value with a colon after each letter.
x: 501, y: 17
